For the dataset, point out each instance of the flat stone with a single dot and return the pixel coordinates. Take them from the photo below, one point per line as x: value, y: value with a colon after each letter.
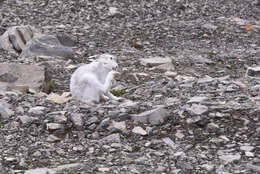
x: 65, y: 40
x: 46, y: 46
x: 113, y: 138
x: 230, y: 158
x: 169, y: 142
x: 54, y: 126
x: 255, y: 168
x: 40, y: 171
x: 247, y: 148
x: 155, y: 61
x: 117, y: 126
x: 139, y: 130
x: 26, y: 75
x: 52, y: 139
x: 38, y: 110
x: 20, y: 88
x: 58, y: 117
x: 197, y: 99
x: 155, y: 116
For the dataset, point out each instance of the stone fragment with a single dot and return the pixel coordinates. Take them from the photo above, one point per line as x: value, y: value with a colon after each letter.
x: 139, y: 130
x: 205, y: 80
x: 5, y: 110
x: 169, y: 142
x: 249, y: 154
x: 103, y: 169
x: 155, y: 116
x: 26, y: 120
x: 197, y: 109
x: 113, y: 138
x: 46, y: 46
x: 113, y: 11
x: 21, y: 88
x: 197, y: 99
x: 255, y: 168
x: 52, y: 139
x: 54, y: 126
x: 246, y: 148
x: 212, y: 127
x: 58, y: 98
x: 118, y: 126
x: 38, y: 110
x: 155, y: 61
x: 33, y: 76
x: 40, y: 171
x: 179, y: 134
x: 227, y: 158
x: 58, y: 117
x: 253, y: 72
x: 77, y: 121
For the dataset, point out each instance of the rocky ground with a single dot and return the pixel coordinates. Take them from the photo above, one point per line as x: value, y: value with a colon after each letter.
x: 190, y: 108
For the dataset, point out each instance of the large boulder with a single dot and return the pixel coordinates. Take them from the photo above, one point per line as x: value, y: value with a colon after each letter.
x: 46, y: 45
x: 35, y: 77
x: 15, y: 38
x: 29, y: 42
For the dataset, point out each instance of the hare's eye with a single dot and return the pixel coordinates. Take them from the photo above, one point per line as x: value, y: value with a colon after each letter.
x: 111, y: 58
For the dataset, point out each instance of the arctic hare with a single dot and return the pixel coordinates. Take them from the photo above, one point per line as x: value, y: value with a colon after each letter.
x: 91, y: 82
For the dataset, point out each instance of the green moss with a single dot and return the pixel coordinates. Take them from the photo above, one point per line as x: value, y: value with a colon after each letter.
x: 52, y: 86
x: 118, y: 92
x: 18, y: 167
x: 236, y: 162
x: 28, y: 162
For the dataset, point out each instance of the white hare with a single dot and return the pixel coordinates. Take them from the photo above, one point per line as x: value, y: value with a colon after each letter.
x: 92, y: 82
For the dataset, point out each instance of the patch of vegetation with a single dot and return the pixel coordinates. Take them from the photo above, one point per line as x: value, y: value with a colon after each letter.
x: 1, y: 124
x: 221, y: 28
x: 236, y: 162
x: 28, y: 162
x: 52, y: 86
x: 18, y: 167
x: 118, y: 92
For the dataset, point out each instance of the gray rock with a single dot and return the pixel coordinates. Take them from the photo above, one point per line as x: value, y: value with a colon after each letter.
x: 77, y: 121
x: 35, y: 77
x: 16, y: 38
x: 52, y: 139
x: 139, y: 130
x: 40, y: 171
x: 205, y: 80
x: 212, y: 127
x: 197, y: 109
x: 253, y: 72
x: 65, y: 40
x: 253, y: 167
x: 227, y: 158
x: 154, y: 117
x: 46, y: 45
x: 38, y: 110
x: 113, y: 138
x: 170, y: 143
x: 54, y: 126
x: 117, y: 126
x: 184, y: 165
x: 197, y: 99
x: 5, y: 110
x: 155, y: 61
x: 26, y: 120
x: 58, y: 117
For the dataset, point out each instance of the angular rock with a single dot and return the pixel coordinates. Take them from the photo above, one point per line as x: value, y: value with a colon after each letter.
x: 5, y: 109
x: 154, y: 117
x: 227, y: 158
x: 155, y: 61
x: 16, y: 38
x: 197, y: 99
x: 46, y: 45
x: 35, y: 77
x: 77, y: 121
x: 197, y: 109
x: 170, y: 143
x: 139, y: 130
x: 26, y: 120
x: 54, y: 126
x: 253, y: 72
x: 118, y: 126
x: 38, y: 110
x: 113, y: 138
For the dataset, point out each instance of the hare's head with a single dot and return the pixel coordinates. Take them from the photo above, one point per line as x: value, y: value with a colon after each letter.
x: 108, y: 61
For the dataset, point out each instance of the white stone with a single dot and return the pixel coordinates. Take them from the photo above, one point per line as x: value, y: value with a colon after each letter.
x: 155, y: 61
x: 227, y: 158
x: 139, y: 130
